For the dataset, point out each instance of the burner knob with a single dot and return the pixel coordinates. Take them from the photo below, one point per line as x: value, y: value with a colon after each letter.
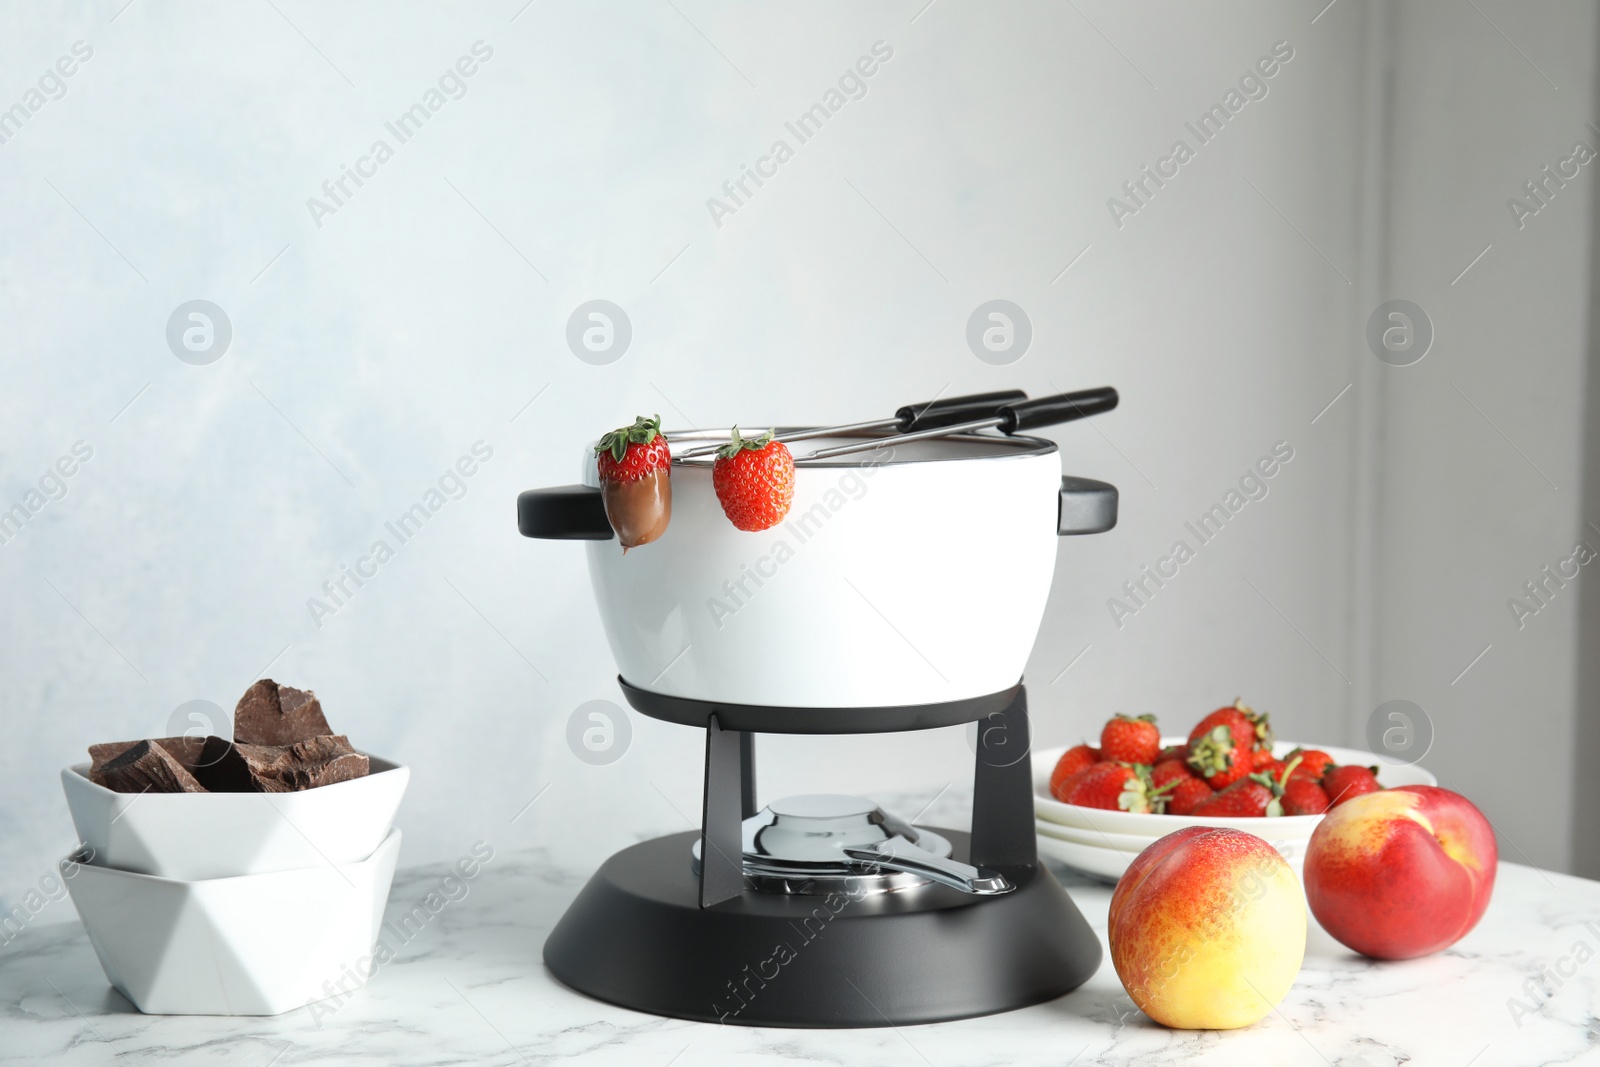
x: 899, y: 854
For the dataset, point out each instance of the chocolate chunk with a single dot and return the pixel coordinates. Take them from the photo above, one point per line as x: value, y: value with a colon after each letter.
x: 146, y: 767
x: 270, y: 714
x: 185, y: 749
x: 222, y: 769
x: 225, y: 767
x: 313, y: 762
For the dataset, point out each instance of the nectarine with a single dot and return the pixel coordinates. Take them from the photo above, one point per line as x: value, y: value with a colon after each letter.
x: 1402, y: 872
x: 1208, y: 929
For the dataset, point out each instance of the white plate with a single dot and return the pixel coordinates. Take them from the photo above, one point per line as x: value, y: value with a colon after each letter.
x: 1101, y: 862
x: 1110, y: 863
x: 1292, y: 848
x: 220, y: 835
x: 255, y: 945
x: 1153, y: 826
x: 1123, y: 842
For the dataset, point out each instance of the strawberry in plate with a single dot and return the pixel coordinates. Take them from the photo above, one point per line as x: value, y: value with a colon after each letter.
x: 1254, y: 796
x: 1075, y: 759
x: 1349, y: 781
x: 1187, y: 794
x: 1314, y: 763
x: 1303, y: 796
x: 1110, y: 786
x: 1131, y: 739
x: 1169, y: 770
x: 1224, y: 746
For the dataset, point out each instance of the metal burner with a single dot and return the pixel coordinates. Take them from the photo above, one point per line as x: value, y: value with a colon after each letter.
x: 826, y: 843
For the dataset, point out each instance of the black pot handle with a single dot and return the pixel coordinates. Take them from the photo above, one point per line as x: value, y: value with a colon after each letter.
x: 1087, y: 506
x: 565, y: 513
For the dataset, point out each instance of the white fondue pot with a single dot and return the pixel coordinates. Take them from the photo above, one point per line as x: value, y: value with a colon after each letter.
x: 916, y: 573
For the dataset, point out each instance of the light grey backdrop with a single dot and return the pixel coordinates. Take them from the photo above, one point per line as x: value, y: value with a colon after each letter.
x: 378, y: 337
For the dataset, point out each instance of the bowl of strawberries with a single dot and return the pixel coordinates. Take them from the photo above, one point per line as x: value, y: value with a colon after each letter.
x: 1097, y: 806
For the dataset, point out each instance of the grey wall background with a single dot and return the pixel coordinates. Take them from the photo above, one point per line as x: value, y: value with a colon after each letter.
x: 429, y: 313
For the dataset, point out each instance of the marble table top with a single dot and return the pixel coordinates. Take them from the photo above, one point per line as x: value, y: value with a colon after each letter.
x: 1523, y: 988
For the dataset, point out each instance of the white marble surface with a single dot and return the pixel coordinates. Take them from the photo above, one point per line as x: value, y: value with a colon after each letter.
x: 471, y: 988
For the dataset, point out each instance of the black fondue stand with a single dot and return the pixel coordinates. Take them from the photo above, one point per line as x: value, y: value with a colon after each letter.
x: 650, y: 933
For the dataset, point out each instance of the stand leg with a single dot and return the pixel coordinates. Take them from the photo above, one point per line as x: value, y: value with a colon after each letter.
x: 747, y: 773
x: 721, y: 836
x: 1002, y: 790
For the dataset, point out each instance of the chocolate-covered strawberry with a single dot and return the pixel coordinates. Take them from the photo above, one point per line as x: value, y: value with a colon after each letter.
x: 635, y: 481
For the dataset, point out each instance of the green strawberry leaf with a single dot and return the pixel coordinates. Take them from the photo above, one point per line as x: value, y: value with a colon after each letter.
x: 1288, y: 769
x: 642, y: 432
x: 1213, y: 753
x: 737, y: 444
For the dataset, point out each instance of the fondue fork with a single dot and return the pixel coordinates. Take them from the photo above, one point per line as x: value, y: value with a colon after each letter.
x: 934, y: 413
x: 1008, y: 419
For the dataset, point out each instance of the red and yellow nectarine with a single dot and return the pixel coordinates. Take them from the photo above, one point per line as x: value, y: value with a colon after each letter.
x: 1402, y: 872
x: 1208, y: 929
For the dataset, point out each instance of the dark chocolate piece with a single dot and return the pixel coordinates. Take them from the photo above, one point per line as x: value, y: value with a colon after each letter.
x: 314, y: 762
x: 222, y: 769
x: 146, y: 767
x: 270, y: 714
x: 225, y: 767
x: 185, y: 749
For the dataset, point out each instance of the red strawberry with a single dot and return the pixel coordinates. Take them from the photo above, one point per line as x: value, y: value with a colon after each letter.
x: 1127, y: 739
x: 635, y: 483
x: 1250, y: 728
x: 754, y: 481
x: 1303, y: 796
x: 1342, y: 783
x: 1243, y: 734
x: 1218, y: 759
x: 1265, y: 764
x: 1175, y: 752
x: 1073, y: 760
x: 1169, y: 770
x: 1244, y: 799
x: 1257, y: 795
x: 1111, y: 786
x: 1313, y: 762
x: 1187, y: 795
x: 1260, y: 722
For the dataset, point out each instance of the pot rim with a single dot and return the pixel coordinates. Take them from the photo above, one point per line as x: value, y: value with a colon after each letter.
x: 1013, y: 447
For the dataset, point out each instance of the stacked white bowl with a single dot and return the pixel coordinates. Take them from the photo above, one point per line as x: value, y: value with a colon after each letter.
x: 1103, y: 843
x: 234, y: 903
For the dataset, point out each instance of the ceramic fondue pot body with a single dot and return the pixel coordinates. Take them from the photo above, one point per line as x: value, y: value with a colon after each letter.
x: 916, y: 573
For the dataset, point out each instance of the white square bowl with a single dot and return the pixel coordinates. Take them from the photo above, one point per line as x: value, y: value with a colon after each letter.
x: 189, y: 836
x: 259, y: 944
